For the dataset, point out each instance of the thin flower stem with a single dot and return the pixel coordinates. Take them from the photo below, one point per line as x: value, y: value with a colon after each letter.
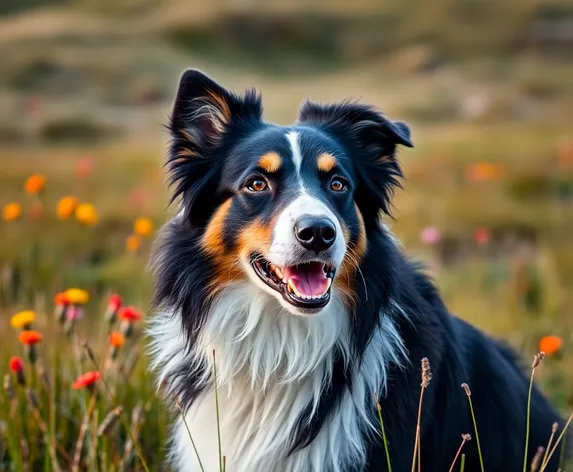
x: 121, y: 416
x: 463, y: 466
x: 464, y: 439
x: 562, y: 453
x: 417, y: 440
x: 379, y: 408
x: 217, y: 407
x: 469, y: 395
x: 82, y: 434
x: 543, y: 466
x: 189, y: 433
x: 527, y: 420
x: 553, y: 431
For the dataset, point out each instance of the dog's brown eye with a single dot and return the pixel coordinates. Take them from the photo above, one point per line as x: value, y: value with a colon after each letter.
x: 257, y: 185
x: 338, y: 185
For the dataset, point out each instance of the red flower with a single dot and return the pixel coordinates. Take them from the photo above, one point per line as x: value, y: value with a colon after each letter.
x: 130, y: 314
x: 482, y: 236
x: 116, y: 339
x: 61, y: 298
x: 114, y: 302
x: 16, y: 364
x: 86, y: 380
x: 30, y: 337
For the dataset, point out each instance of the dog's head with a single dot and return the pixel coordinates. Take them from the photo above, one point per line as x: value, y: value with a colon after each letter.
x: 288, y: 208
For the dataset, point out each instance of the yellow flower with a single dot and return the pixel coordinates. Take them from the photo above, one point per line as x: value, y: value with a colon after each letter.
x: 66, y: 207
x: 23, y: 319
x: 133, y: 243
x: 12, y: 211
x: 35, y: 184
x: 77, y: 296
x: 86, y: 214
x: 143, y: 227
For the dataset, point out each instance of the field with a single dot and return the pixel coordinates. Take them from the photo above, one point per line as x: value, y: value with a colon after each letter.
x: 487, y: 200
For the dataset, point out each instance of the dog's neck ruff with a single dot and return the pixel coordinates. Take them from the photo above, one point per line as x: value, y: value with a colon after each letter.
x: 272, y: 368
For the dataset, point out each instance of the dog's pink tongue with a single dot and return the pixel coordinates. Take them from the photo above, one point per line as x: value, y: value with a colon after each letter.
x: 309, y: 279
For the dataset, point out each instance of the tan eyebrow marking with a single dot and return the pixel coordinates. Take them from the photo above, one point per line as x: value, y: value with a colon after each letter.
x: 270, y: 162
x: 326, y: 162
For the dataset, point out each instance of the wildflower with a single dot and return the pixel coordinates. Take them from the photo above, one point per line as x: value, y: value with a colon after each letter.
x: 133, y: 243
x: 23, y: 320
x: 483, y: 172
x: 130, y: 314
x: 482, y: 236
x: 430, y: 235
x: 17, y: 367
x: 66, y: 207
x: 116, y: 339
x: 12, y: 211
x: 466, y: 387
x: 86, y: 380
x: 30, y: 337
x: 113, y: 305
x: 143, y: 227
x: 61, y: 301
x: 84, y: 167
x: 86, y: 214
x: 36, y: 210
x: 77, y: 296
x: 550, y: 345
x: 35, y: 184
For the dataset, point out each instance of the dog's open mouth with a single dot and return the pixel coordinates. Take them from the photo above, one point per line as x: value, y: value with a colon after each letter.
x: 304, y: 285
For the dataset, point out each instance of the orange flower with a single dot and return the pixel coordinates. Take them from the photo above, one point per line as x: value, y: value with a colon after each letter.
x: 483, y: 172
x: 35, y: 184
x: 23, y: 319
x: 116, y: 339
x: 87, y: 214
x: 61, y: 298
x: 128, y: 313
x: 84, y: 167
x: 66, y: 207
x: 16, y: 364
x: 12, y: 211
x: 143, y: 227
x: 86, y: 380
x: 133, y: 243
x: 30, y: 337
x: 550, y: 345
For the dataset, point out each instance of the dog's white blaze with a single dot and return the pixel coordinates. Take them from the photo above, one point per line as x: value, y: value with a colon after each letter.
x: 284, y: 245
x: 271, y: 365
x: 293, y: 139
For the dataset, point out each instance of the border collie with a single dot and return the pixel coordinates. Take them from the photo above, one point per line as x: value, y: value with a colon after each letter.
x: 279, y: 261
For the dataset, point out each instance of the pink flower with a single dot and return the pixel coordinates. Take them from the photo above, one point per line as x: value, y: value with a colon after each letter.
x: 430, y: 235
x: 482, y: 236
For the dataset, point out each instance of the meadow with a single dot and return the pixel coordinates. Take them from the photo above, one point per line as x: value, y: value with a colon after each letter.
x: 487, y: 202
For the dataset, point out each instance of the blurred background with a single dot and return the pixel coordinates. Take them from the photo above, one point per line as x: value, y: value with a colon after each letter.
x: 486, y: 86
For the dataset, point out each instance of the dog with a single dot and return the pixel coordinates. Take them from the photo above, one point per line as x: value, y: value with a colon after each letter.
x: 278, y: 280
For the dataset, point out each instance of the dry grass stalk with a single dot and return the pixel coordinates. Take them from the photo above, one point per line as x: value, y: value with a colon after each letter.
x: 554, y: 428
x: 536, y: 461
x: 465, y: 439
x: 109, y: 421
x: 379, y: 409
x: 537, y: 359
x: 426, y: 378
x: 554, y: 448
x: 189, y: 433
x: 466, y: 387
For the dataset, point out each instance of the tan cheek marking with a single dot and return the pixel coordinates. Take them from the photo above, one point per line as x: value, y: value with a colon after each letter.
x: 346, y: 281
x: 212, y: 241
x: 326, y: 162
x: 255, y: 238
x: 271, y: 162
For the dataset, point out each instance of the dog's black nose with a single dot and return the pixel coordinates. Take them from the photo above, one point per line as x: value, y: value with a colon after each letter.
x: 315, y: 233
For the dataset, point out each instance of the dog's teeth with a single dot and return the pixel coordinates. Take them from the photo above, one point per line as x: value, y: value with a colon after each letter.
x: 284, y: 280
x: 291, y: 287
x: 328, y: 284
x: 279, y: 273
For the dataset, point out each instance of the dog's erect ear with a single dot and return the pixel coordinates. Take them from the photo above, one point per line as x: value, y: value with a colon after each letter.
x: 370, y: 140
x: 203, y: 114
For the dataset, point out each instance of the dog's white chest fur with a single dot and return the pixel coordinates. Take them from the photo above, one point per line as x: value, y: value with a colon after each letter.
x: 271, y: 366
